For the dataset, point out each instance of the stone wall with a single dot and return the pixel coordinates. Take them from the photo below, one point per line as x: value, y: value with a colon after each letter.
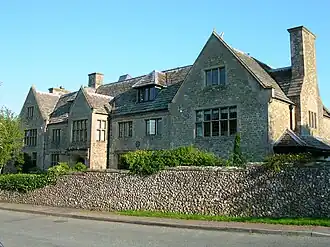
x: 301, y: 192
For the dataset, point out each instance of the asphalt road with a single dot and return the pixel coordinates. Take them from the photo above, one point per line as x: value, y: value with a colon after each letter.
x: 21, y: 229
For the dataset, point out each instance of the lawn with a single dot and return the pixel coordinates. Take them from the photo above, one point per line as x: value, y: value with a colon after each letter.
x: 282, y: 221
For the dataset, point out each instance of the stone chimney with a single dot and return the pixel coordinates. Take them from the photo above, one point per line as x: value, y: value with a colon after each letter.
x: 59, y: 90
x: 95, y: 80
x: 304, y: 79
x: 303, y: 57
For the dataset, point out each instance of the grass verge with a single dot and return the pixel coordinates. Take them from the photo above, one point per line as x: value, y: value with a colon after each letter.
x: 283, y: 221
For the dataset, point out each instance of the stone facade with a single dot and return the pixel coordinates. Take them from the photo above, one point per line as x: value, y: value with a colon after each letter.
x: 139, y: 139
x: 268, y: 102
x: 279, y: 119
x: 240, y: 90
x: 302, y: 192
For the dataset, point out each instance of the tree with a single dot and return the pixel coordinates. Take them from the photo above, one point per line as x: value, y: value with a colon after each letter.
x: 11, y: 138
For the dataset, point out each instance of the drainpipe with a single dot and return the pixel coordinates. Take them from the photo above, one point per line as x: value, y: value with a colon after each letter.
x: 291, y: 121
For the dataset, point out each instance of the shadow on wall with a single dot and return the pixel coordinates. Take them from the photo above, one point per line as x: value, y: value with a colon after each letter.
x: 290, y: 193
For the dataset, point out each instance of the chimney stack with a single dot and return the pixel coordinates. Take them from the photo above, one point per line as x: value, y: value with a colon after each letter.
x: 303, y: 57
x: 95, y: 80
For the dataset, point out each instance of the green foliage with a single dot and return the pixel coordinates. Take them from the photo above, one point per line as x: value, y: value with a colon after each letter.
x: 148, y: 162
x: 61, y: 169
x: 24, y: 182
x: 29, y: 182
x: 79, y: 167
x: 279, y: 162
x: 27, y: 166
x: 237, y: 158
x: 11, y: 138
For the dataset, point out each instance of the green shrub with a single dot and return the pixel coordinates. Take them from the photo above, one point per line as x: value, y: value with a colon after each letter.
x: 60, y: 169
x: 148, y: 162
x: 79, y: 167
x: 237, y: 158
x: 143, y: 162
x: 24, y: 182
x: 277, y: 162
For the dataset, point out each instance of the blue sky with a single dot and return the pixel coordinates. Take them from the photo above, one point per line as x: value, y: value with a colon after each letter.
x: 58, y: 43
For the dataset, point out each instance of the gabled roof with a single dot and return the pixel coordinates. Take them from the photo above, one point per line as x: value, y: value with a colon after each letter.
x: 61, y: 111
x: 46, y: 103
x: 98, y: 102
x: 126, y: 103
x: 256, y: 70
x: 291, y: 139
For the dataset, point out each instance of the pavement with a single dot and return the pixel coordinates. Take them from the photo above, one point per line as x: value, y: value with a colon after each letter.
x: 25, y: 229
x: 288, y: 230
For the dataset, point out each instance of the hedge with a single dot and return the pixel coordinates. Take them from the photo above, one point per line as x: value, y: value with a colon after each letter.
x: 148, y: 162
x: 28, y: 182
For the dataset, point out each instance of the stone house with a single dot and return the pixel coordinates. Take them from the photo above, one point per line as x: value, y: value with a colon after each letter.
x: 224, y: 92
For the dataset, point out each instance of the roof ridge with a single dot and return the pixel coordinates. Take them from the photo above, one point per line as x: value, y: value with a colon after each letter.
x: 141, y: 76
x: 280, y: 69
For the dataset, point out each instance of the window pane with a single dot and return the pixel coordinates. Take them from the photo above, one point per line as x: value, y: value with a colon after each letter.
x: 146, y: 94
x: 130, y: 129
x: 232, y: 112
x: 102, y: 135
x: 120, y: 130
x: 208, y: 75
x: 224, y: 127
x: 97, y: 135
x: 152, y: 127
x: 207, y: 115
x: 158, y: 126
x: 152, y: 93
x: 215, y: 114
x: 224, y: 113
x: 207, y: 128
x: 104, y: 124
x: 199, y: 116
x: 141, y: 95
x: 199, y: 129
x: 215, y: 74
x: 222, y: 76
x: 215, y: 128
x: 232, y: 126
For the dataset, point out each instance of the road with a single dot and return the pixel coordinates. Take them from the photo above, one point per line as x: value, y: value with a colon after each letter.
x: 21, y: 229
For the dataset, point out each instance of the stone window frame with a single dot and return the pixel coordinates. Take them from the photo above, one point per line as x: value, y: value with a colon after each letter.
x: 55, y: 159
x: 30, y: 137
x: 125, y: 129
x: 30, y: 111
x: 79, y: 130
x: 221, y: 77
x: 155, y: 129
x: 101, y: 130
x: 216, y: 122
x: 56, y: 135
x: 312, y: 119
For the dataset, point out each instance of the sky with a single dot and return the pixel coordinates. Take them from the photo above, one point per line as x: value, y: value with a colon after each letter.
x: 58, y: 43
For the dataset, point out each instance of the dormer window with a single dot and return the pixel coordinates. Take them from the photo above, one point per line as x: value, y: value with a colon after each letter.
x: 147, y: 93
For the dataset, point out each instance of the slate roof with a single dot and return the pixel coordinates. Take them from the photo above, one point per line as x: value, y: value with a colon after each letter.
x: 291, y: 139
x: 263, y: 76
x: 154, y: 78
x: 46, y: 103
x: 125, y: 103
x: 326, y: 112
x: 99, y: 102
x: 62, y: 108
